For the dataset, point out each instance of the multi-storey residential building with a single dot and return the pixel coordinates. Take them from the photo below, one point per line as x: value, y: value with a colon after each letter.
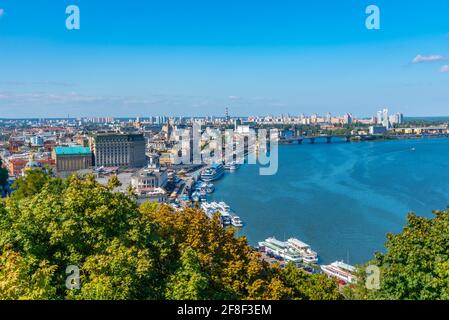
x: 118, y: 149
x: 16, y: 166
x: 347, y: 118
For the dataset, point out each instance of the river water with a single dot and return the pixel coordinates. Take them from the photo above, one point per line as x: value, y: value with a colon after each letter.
x: 341, y: 198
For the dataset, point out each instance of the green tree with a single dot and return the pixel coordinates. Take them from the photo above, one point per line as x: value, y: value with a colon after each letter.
x: 22, y: 278
x: 189, y: 282
x: 3, y: 176
x: 304, y: 286
x: 125, y: 251
x: 31, y: 184
x: 114, y: 182
x: 416, y: 263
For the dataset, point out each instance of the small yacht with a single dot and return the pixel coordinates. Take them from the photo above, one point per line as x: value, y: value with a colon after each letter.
x: 196, y: 196
x: 226, y: 218
x: 224, y: 206
x: 210, y: 188
x: 236, y: 222
x: 231, y: 166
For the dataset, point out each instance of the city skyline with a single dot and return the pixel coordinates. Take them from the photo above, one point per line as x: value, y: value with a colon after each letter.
x: 197, y: 59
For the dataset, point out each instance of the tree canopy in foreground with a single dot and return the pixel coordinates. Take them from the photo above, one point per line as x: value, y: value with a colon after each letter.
x: 128, y: 252
x: 415, y: 265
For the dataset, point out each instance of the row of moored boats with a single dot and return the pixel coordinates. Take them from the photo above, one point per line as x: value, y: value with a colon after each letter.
x: 201, y: 190
x: 227, y: 217
x: 205, y: 187
x: 296, y: 251
x: 216, y: 171
x: 292, y: 250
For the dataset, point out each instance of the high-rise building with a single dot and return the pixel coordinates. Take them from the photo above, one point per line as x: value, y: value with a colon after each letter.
x: 385, y: 119
x: 118, y: 149
x: 379, y: 117
x: 237, y: 123
x: 347, y: 119
x: 397, y: 118
x: 37, y: 141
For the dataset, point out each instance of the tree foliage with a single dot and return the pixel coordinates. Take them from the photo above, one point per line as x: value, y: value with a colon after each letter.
x: 3, y: 176
x: 125, y: 251
x: 31, y: 184
x: 416, y: 263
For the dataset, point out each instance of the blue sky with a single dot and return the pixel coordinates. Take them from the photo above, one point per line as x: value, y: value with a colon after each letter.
x: 173, y: 57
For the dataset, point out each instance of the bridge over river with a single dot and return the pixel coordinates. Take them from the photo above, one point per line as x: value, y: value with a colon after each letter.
x: 349, y: 137
x: 323, y: 138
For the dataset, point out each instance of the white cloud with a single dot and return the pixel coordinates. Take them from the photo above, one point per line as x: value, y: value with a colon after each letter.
x: 444, y: 69
x: 2, y: 12
x: 431, y: 58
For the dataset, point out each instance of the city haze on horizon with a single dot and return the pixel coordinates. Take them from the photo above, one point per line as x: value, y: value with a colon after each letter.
x: 194, y: 60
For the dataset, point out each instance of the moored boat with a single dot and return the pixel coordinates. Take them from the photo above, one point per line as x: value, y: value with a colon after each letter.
x: 214, y: 172
x: 306, y: 252
x: 231, y: 166
x: 236, y: 222
x: 226, y: 217
x: 210, y: 188
x: 341, y: 271
x: 280, y: 249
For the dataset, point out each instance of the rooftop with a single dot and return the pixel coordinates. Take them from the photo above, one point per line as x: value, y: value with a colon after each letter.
x: 76, y: 150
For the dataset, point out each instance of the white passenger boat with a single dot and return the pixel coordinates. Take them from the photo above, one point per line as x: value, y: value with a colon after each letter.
x: 306, y: 252
x: 280, y: 249
x: 214, y: 172
x: 340, y: 271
